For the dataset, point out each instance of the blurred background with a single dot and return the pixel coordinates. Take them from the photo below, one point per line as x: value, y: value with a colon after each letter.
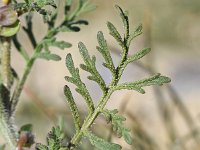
x: 164, y: 118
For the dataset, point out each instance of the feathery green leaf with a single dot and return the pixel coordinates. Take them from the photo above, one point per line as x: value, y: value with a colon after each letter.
x: 137, y: 85
x: 117, y: 124
x: 90, y: 66
x: 75, y: 79
x: 101, y: 143
x: 54, y: 140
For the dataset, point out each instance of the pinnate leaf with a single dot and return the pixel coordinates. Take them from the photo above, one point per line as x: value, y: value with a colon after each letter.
x: 117, y: 124
x: 54, y: 140
x: 90, y: 66
x: 75, y: 79
x: 101, y: 143
x: 137, y: 85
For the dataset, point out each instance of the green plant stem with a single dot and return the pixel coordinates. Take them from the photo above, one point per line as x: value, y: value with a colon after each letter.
x: 18, y: 90
x: 121, y: 66
x: 6, y: 132
x: 91, y: 117
x: 20, y: 85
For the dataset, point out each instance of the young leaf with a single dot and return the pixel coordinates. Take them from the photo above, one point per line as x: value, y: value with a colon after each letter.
x: 90, y: 66
x: 117, y: 124
x: 75, y: 79
x: 54, y: 141
x: 137, y: 85
x: 73, y: 107
x: 101, y: 143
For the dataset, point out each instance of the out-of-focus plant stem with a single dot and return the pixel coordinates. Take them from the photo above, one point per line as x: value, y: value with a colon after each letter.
x: 6, y: 125
x: 6, y: 75
x: 20, y: 85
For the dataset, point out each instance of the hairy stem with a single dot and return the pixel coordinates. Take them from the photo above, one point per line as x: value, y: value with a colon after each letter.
x: 6, y: 125
x: 6, y: 75
x: 121, y: 66
x: 7, y: 131
x: 91, y: 118
x: 20, y: 85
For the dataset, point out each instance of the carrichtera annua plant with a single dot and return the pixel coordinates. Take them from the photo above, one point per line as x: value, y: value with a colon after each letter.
x: 55, y: 137
x: 10, y: 24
